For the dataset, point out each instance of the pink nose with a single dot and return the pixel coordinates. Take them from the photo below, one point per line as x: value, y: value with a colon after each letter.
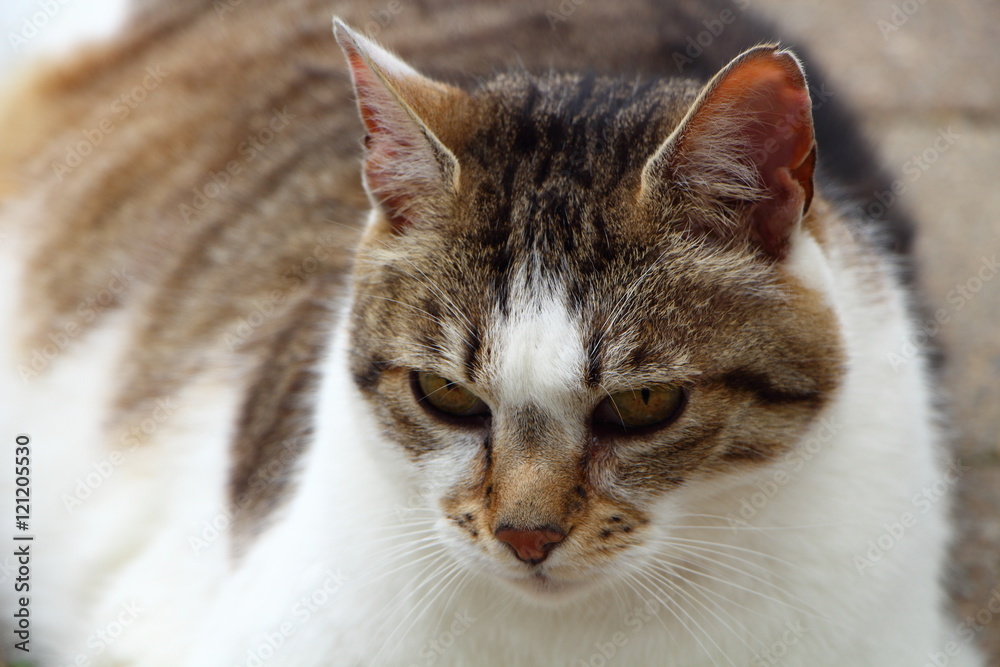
x: 531, y: 546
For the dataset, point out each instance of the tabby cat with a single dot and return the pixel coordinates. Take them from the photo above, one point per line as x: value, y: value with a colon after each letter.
x: 559, y: 351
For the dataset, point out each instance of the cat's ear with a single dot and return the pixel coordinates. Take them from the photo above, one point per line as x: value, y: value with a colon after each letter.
x: 408, y: 170
x: 744, y: 155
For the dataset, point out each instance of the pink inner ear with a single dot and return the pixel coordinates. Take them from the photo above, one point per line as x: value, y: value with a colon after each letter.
x: 382, y: 148
x: 362, y: 81
x: 767, y: 96
x: 781, y: 130
x: 404, y: 162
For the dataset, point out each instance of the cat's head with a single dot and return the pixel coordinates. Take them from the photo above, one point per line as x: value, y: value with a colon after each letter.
x: 575, y: 297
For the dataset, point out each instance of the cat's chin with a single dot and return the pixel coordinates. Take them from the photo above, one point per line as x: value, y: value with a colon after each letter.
x: 546, y: 590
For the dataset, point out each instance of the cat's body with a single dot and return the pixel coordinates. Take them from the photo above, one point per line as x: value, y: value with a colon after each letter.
x: 228, y: 463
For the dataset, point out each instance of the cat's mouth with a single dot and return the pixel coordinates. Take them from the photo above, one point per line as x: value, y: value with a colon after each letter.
x: 544, y: 587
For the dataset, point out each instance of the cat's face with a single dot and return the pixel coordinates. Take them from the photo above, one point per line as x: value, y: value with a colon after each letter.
x: 566, y: 308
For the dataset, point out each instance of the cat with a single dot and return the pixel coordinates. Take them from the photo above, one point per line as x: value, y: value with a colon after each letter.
x: 582, y: 362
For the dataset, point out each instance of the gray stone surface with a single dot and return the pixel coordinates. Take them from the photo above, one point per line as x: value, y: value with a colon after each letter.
x: 939, y: 71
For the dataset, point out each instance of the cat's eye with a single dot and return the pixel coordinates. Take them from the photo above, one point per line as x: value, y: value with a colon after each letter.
x: 641, y: 408
x: 448, y: 396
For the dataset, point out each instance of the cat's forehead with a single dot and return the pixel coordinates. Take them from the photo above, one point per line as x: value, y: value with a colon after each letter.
x: 571, y: 132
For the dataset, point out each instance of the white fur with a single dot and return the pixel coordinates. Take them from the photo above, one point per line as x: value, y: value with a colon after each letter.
x: 541, y: 355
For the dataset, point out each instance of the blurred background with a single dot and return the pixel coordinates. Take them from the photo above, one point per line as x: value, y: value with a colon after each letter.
x: 921, y: 72
x: 925, y: 77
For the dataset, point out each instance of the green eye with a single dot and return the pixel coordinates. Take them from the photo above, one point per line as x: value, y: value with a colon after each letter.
x: 448, y: 396
x: 649, y: 406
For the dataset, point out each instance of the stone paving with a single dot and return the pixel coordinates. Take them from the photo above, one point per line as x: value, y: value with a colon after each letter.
x: 919, y: 71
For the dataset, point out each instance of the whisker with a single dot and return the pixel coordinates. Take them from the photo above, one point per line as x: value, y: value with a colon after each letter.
x: 747, y: 527
x: 444, y: 578
x: 677, y: 588
x: 667, y: 568
x: 751, y: 591
x: 434, y: 577
x: 694, y: 635
x: 680, y: 589
x: 705, y: 545
x: 408, y: 562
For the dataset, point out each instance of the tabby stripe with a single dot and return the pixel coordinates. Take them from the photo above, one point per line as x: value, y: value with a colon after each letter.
x: 586, y: 90
x: 276, y: 419
x: 473, y: 344
x: 751, y: 452
x: 526, y: 137
x: 762, y: 386
x: 594, y: 360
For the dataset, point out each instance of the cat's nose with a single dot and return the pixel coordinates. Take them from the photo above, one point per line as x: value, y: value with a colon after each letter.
x: 531, y: 546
